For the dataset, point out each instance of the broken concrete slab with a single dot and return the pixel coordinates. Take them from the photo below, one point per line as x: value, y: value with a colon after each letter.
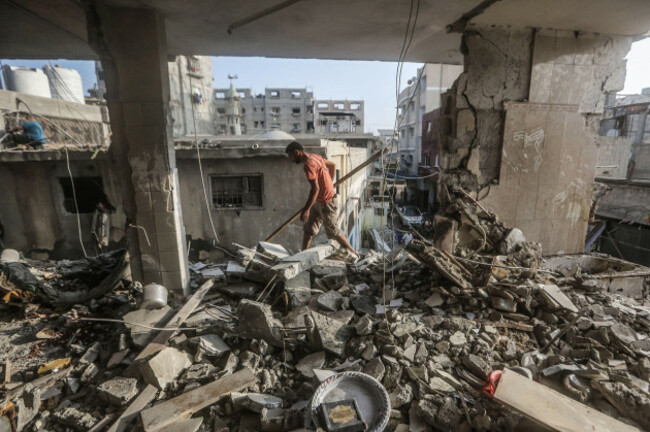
x: 146, y: 396
x: 292, y: 265
x: 274, y: 250
x: 310, y: 362
x: 330, y: 334
x: 256, y: 321
x: 211, y: 344
x: 27, y: 406
x: 556, y: 297
x: 118, y: 391
x: 78, y: 420
x: 163, y: 368
x: 331, y: 301
x: 148, y: 318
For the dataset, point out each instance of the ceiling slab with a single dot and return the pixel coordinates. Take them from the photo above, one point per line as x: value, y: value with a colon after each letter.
x: 323, y: 29
x: 621, y: 17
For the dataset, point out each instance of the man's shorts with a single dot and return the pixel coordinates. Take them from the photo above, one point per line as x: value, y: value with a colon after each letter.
x: 322, y: 214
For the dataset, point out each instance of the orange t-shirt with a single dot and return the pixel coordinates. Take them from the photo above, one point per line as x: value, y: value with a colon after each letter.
x: 316, y: 169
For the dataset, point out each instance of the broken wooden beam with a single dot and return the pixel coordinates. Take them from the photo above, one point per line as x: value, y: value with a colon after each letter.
x: 159, y: 342
x: 134, y: 409
x: 166, y: 413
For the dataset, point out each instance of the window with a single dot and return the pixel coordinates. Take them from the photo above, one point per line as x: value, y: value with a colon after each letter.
x: 262, y: 123
x: 254, y: 109
x: 222, y: 128
x: 275, y: 93
x: 339, y: 106
x: 411, y: 132
x: 262, y: 109
x: 296, y: 127
x: 256, y: 124
x: 323, y: 122
x: 355, y: 106
x: 429, y: 127
x: 220, y: 95
x: 275, y: 111
x: 221, y: 110
x: 295, y: 111
x: 89, y: 192
x: 243, y: 110
x: 242, y: 95
x: 357, y: 122
x: 243, y: 129
x: 295, y: 94
x: 427, y: 159
x: 237, y: 191
x: 323, y: 105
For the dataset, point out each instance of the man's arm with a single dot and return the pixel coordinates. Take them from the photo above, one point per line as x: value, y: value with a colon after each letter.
x: 313, y: 193
x: 331, y: 167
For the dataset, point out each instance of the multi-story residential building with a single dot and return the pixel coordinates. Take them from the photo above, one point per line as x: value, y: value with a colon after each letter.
x: 287, y: 109
x: 339, y: 116
x: 417, y: 99
x: 191, y: 99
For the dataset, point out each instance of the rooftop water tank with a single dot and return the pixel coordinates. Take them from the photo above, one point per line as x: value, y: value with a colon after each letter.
x: 26, y: 80
x: 65, y: 83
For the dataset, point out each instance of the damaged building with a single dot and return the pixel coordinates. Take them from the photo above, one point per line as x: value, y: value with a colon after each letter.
x: 496, y: 321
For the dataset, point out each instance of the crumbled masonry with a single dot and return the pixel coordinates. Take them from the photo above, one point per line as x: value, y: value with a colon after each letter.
x: 250, y: 355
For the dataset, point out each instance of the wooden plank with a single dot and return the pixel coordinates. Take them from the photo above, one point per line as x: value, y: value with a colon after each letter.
x: 101, y: 424
x: 552, y: 409
x: 134, y: 408
x: 180, y: 407
x: 159, y: 342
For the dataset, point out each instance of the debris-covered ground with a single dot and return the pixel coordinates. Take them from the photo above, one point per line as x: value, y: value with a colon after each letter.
x: 439, y: 327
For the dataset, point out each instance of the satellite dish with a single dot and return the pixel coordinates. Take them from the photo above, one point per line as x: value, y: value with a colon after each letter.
x: 233, y: 76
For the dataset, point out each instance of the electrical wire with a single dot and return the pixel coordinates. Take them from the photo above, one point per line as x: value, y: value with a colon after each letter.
x: 74, y: 189
x: 205, y: 191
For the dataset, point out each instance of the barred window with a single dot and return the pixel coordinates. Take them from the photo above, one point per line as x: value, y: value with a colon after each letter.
x: 237, y: 191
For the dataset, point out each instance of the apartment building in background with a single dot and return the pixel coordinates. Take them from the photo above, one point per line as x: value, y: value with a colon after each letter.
x: 414, y: 101
x: 287, y: 109
x: 339, y: 116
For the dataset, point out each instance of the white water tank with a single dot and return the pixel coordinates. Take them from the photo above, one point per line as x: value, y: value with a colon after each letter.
x: 26, y: 80
x: 65, y: 83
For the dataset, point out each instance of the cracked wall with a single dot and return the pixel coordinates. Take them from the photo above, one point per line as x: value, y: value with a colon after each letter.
x: 521, y: 129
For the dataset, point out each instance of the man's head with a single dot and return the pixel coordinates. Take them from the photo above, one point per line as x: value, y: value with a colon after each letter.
x: 296, y: 152
x: 30, y: 117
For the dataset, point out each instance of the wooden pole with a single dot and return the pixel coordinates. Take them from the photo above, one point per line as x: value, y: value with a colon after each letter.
x: 341, y: 181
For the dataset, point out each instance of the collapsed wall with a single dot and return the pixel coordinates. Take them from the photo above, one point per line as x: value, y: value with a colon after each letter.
x: 519, y: 126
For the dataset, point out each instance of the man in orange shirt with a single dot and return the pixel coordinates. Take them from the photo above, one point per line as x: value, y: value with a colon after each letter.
x: 319, y: 209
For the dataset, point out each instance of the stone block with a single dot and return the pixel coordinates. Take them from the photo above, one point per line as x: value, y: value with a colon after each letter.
x: 118, y: 391
x: 256, y: 321
x: 310, y: 362
x: 165, y: 367
x: 147, y: 317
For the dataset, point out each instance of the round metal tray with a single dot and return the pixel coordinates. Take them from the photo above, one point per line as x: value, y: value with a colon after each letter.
x: 371, y: 396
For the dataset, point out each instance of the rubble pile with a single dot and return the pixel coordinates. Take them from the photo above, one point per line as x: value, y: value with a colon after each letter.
x: 262, y: 334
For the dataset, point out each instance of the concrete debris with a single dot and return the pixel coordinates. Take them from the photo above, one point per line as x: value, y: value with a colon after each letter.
x: 256, y: 321
x: 118, y: 391
x: 250, y: 355
x: 164, y: 367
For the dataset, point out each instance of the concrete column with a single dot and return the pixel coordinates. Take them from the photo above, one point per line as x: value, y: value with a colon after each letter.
x: 524, y: 118
x: 132, y: 47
